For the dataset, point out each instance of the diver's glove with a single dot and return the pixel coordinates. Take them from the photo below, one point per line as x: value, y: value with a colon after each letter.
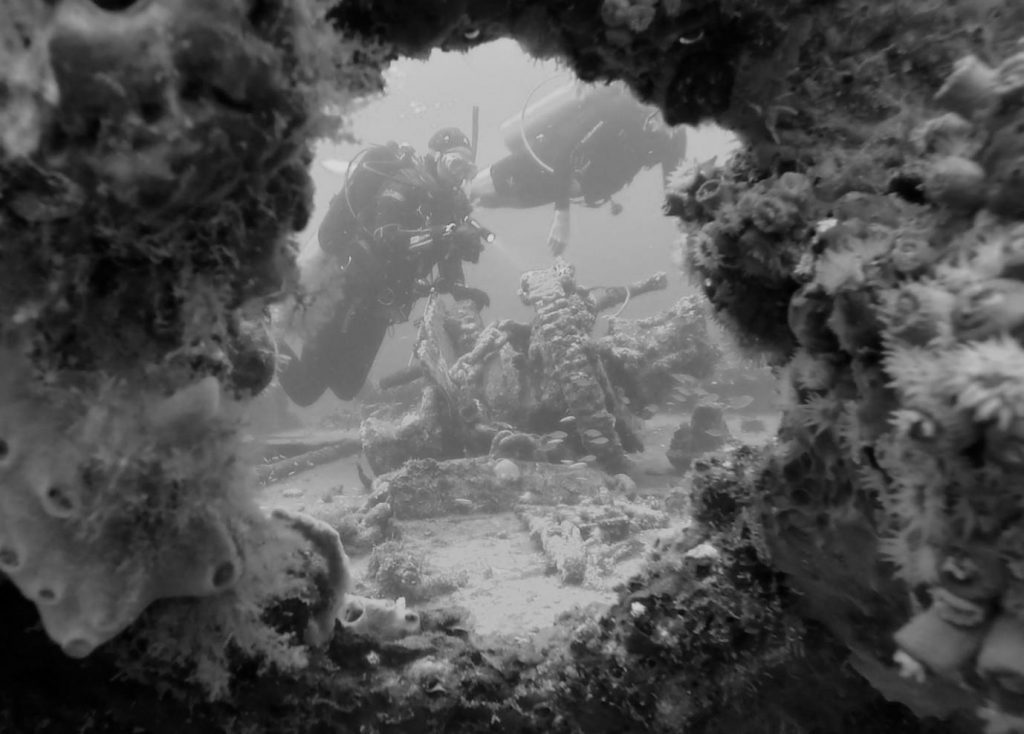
x: 558, y: 236
x: 468, y: 232
x: 468, y: 240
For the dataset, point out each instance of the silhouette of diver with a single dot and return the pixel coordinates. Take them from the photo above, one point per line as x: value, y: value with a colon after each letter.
x: 582, y: 143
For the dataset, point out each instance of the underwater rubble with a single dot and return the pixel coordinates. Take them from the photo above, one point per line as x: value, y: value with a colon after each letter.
x: 866, y: 242
x: 425, y: 488
x: 579, y: 517
x: 705, y: 634
x: 579, y: 540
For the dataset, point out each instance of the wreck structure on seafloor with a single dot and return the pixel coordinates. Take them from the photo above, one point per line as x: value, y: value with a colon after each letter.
x: 549, y: 390
x: 154, y: 164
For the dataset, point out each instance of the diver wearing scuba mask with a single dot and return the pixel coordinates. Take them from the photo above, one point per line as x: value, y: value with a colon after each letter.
x: 455, y: 167
x: 400, y: 228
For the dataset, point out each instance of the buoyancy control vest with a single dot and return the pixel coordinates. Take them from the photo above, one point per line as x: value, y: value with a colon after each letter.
x: 347, y: 221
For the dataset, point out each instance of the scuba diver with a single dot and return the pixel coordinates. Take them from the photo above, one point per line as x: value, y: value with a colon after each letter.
x: 577, y: 143
x: 398, y: 217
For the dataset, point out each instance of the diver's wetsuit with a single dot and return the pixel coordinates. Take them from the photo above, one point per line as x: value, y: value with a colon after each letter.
x: 383, y: 280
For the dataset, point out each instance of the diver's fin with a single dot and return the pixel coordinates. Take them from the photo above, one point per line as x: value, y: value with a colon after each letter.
x: 356, y: 352
x: 301, y: 379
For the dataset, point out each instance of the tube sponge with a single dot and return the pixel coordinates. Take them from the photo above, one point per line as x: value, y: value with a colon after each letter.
x: 325, y: 540
x: 942, y: 647
x: 92, y: 527
x: 380, y: 619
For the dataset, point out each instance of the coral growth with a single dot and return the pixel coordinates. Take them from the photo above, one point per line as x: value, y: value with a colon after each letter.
x: 152, y: 170
x: 152, y: 110
x: 953, y: 514
x: 744, y: 243
x: 574, y: 381
x: 902, y: 445
x: 153, y: 166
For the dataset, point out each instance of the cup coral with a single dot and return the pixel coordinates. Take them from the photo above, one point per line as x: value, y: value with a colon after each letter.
x: 904, y: 345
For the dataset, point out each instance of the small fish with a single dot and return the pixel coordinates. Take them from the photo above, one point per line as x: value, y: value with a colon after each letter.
x: 599, y: 441
x: 463, y: 504
x: 589, y: 459
x: 592, y: 433
x: 714, y: 433
x: 568, y: 420
x: 557, y: 435
x: 554, y: 442
x: 578, y: 465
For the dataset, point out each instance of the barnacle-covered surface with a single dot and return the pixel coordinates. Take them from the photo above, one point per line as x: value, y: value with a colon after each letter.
x: 565, y: 363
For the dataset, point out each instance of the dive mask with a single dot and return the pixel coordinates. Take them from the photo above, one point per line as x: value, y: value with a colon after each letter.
x: 457, y: 164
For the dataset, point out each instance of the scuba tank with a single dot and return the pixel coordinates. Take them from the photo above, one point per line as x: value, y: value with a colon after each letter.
x: 567, y: 113
x: 537, y: 118
x: 367, y: 173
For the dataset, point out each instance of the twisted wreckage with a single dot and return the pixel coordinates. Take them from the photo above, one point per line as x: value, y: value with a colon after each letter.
x: 153, y: 164
x: 549, y: 377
